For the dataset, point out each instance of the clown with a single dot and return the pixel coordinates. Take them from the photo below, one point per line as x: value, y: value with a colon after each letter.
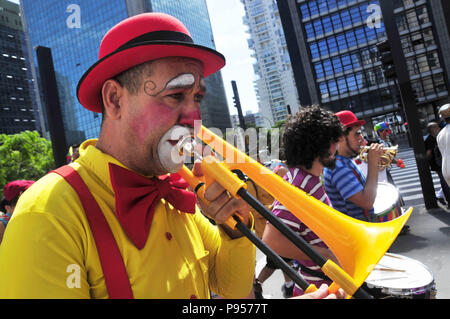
x: 115, y: 215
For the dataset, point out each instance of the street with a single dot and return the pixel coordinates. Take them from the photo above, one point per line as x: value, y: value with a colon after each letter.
x: 427, y: 241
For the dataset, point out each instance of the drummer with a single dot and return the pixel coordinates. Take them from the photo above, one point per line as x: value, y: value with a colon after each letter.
x: 351, y: 192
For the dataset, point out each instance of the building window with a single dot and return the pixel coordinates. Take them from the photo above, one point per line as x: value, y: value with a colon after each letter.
x: 309, y: 30
x: 333, y: 87
x: 342, y: 43
x: 322, y: 4
x: 328, y: 67
x: 346, y: 62
x: 351, y: 39
x: 313, y: 9
x: 305, y: 11
x: 324, y: 90
x: 314, y: 50
x: 319, y: 70
x: 318, y: 27
x: 433, y: 60
x: 342, y: 85
x: 439, y: 83
x: 323, y: 47
x: 327, y: 24
x: 332, y: 44
x: 337, y: 65
x: 355, y: 14
x: 345, y: 17
x: 336, y: 20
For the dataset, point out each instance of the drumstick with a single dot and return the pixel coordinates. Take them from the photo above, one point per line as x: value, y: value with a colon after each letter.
x: 390, y: 269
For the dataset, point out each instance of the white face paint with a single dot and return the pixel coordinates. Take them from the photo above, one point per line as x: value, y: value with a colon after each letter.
x: 181, y: 81
x: 169, y: 149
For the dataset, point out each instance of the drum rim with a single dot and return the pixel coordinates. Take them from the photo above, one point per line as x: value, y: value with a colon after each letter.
x: 386, y: 211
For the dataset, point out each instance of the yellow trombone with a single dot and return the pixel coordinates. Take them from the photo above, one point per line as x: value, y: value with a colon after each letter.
x: 358, y: 245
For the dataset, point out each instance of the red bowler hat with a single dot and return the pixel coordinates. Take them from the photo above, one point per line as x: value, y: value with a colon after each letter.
x: 138, y: 39
x: 13, y: 189
x: 348, y: 119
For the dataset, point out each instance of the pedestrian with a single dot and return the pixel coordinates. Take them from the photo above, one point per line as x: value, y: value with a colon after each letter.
x: 11, y: 192
x: 434, y: 158
x: 114, y: 223
x: 73, y: 153
x: 351, y: 192
x: 309, y: 144
x: 443, y: 141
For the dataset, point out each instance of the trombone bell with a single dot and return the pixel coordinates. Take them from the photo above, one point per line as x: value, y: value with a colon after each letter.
x: 389, y: 153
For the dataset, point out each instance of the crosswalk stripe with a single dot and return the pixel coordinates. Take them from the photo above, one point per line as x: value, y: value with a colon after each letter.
x: 407, y: 179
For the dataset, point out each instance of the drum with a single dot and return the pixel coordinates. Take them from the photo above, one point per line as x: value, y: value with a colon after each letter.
x: 386, y: 206
x: 397, y: 276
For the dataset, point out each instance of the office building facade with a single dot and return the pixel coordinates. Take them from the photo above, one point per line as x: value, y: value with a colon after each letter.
x: 74, y: 29
x: 18, y: 110
x: 275, y: 85
x: 337, y: 62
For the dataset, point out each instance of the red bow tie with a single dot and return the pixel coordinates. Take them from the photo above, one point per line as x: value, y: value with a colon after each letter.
x: 137, y: 197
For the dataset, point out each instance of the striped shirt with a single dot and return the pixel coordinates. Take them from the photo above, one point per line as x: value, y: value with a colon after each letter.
x: 311, y: 185
x: 343, y: 182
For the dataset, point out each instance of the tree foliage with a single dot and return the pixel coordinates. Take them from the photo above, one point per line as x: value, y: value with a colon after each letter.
x: 24, y: 156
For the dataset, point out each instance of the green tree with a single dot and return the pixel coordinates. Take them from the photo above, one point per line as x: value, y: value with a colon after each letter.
x: 24, y: 156
x: 279, y: 124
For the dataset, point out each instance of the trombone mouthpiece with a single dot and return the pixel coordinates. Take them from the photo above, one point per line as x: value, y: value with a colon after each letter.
x: 186, y: 145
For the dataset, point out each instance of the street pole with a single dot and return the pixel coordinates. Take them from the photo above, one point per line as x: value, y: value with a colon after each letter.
x: 409, y: 103
x: 237, y: 104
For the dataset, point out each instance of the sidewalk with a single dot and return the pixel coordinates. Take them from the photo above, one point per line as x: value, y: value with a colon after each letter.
x: 427, y: 242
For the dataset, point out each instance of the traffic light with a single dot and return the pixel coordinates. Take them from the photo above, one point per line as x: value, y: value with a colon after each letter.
x: 386, y: 59
x: 235, y: 102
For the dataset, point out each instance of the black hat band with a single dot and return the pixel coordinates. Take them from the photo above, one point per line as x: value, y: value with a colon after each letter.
x: 158, y: 36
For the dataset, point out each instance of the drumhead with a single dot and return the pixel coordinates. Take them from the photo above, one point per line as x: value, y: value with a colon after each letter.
x: 400, y: 275
x: 387, y: 198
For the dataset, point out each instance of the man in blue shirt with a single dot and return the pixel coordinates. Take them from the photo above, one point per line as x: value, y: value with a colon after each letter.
x: 350, y: 192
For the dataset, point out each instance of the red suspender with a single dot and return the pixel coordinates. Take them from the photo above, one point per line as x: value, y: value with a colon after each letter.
x: 114, y: 271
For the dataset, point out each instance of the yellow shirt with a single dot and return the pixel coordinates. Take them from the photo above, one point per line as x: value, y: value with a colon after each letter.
x: 48, y: 250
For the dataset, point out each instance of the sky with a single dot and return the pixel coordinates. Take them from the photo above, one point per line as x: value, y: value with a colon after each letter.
x: 230, y: 38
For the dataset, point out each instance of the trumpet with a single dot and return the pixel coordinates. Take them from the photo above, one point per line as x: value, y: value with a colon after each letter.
x: 358, y: 245
x: 385, y: 160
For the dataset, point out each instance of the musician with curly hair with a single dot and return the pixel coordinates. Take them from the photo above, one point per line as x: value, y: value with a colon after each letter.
x: 309, y: 144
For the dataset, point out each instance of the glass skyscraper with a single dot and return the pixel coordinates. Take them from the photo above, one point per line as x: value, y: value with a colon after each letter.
x: 275, y: 85
x: 18, y: 110
x: 337, y: 65
x: 74, y: 30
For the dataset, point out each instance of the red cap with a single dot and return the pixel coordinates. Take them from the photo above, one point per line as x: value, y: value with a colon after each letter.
x: 13, y: 189
x: 348, y: 119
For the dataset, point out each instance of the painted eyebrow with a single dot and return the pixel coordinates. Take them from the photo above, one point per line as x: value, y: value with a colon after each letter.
x: 183, y: 81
